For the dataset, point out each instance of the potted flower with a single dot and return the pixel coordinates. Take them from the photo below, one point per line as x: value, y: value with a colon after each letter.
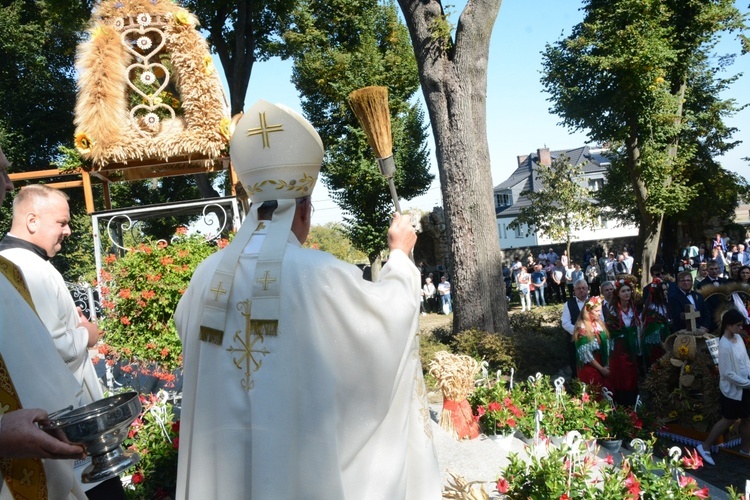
x: 621, y: 423
x: 561, y: 474
x: 496, y: 410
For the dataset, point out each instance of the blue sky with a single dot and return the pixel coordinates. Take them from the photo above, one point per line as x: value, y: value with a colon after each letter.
x: 518, y: 120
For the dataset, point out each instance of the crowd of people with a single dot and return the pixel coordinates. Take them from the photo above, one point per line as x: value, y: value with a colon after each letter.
x: 617, y: 331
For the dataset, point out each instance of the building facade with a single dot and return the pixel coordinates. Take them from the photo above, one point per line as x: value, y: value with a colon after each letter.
x: 509, y: 201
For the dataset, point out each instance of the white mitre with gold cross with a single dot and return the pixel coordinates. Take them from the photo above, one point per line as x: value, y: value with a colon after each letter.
x: 277, y: 155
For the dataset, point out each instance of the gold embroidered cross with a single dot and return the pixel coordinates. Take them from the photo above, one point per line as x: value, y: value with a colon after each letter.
x: 218, y: 291
x: 27, y: 476
x: 246, y: 348
x: 266, y: 279
x: 264, y: 130
x: 4, y: 409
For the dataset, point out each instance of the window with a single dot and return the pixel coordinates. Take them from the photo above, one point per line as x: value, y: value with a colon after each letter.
x: 502, y: 200
x: 596, y: 184
x: 518, y: 232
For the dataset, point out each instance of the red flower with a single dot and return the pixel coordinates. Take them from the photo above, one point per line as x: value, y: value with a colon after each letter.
x: 481, y: 411
x: 166, y: 261
x: 124, y: 293
x: 176, y: 443
x: 150, y: 345
x: 148, y: 294
x: 494, y: 406
x: 109, y: 259
x: 511, y: 422
x: 564, y: 496
x: 586, y: 398
x: 176, y: 427
x: 137, y: 478
x: 222, y: 242
x: 103, y: 349
x: 609, y: 460
x: 125, y: 320
x: 181, y: 231
x: 162, y: 244
x: 503, y: 485
x: 634, y: 487
x: 126, y: 368
x: 164, y: 352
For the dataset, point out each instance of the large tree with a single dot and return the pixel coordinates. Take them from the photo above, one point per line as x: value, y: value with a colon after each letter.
x: 625, y: 75
x: 349, y: 44
x: 561, y: 205
x: 453, y: 73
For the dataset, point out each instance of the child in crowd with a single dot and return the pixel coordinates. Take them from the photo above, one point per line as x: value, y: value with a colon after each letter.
x: 734, y: 383
x: 592, y: 345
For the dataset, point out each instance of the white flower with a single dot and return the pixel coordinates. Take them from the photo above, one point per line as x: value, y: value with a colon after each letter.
x: 119, y: 24
x: 144, y: 19
x: 151, y: 120
x: 148, y: 77
x: 144, y: 43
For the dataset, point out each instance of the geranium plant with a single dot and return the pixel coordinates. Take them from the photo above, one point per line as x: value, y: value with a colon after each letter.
x: 139, y: 293
x: 622, y: 422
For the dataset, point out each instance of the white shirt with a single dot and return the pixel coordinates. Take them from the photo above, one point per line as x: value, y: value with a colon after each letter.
x: 734, y: 367
x: 568, y: 323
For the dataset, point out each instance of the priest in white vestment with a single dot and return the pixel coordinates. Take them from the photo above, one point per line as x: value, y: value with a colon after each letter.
x: 40, y: 223
x: 33, y: 381
x: 302, y: 380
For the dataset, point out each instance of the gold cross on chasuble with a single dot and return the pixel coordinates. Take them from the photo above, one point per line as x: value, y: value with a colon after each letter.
x: 264, y: 130
x: 246, y: 348
x: 218, y: 290
x: 266, y: 279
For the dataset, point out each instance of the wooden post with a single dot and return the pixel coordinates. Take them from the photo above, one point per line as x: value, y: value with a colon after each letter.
x: 88, y: 194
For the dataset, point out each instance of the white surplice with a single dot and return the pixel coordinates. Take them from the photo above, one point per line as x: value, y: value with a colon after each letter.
x: 57, y: 311
x: 332, y: 407
x: 40, y: 379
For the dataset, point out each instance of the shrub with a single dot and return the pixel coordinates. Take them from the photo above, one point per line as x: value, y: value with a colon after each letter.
x: 140, y: 292
x: 498, y: 350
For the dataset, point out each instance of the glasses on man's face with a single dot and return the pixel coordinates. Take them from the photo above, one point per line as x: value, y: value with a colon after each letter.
x: 686, y: 280
x: 656, y: 275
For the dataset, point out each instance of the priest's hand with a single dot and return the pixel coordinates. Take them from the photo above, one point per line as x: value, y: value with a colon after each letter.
x: 20, y: 437
x: 91, y: 328
x: 401, y: 235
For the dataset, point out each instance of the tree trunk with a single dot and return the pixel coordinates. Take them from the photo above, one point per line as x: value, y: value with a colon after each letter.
x: 376, y: 264
x: 454, y: 83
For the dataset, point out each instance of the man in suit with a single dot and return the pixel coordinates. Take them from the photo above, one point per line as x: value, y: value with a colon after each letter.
x: 571, y: 310
x: 713, y: 278
x: 683, y: 297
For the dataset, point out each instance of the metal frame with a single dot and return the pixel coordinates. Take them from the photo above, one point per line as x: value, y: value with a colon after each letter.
x: 154, y: 211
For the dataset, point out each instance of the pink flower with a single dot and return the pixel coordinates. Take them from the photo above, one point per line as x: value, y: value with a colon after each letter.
x: 692, y: 460
x: 503, y: 485
x: 702, y: 493
x: 634, y: 487
x: 137, y: 478
x: 494, y: 406
x: 609, y: 460
x: 481, y: 411
x: 686, y: 481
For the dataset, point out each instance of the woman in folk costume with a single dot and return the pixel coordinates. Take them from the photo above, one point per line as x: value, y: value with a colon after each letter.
x: 592, y: 345
x: 622, y: 322
x: 655, y: 320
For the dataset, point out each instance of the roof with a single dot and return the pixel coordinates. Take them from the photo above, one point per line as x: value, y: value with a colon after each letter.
x: 591, y: 160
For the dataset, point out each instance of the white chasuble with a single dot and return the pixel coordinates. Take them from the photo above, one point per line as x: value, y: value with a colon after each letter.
x: 330, y: 407
x: 40, y: 379
x: 57, y: 311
